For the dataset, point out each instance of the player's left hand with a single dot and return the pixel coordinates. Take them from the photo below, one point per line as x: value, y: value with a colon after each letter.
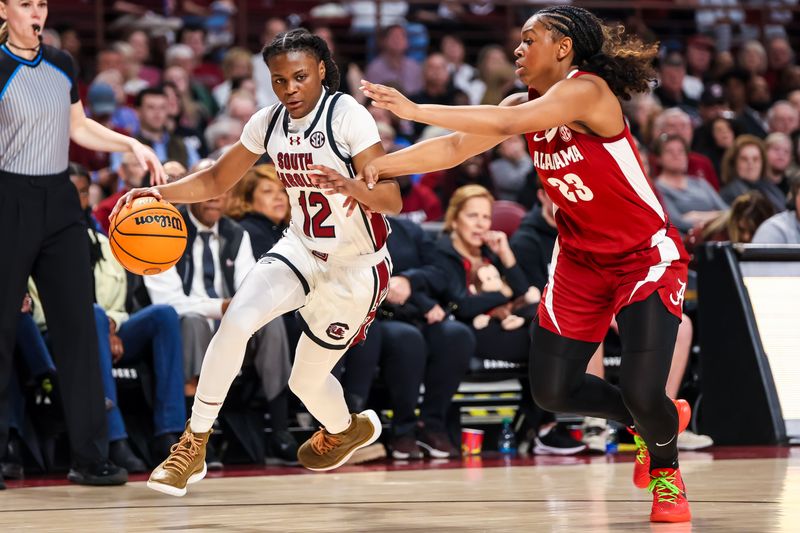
x: 390, y: 99
x: 148, y: 159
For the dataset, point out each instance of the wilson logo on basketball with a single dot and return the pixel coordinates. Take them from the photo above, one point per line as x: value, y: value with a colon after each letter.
x: 337, y: 331
x: 161, y: 220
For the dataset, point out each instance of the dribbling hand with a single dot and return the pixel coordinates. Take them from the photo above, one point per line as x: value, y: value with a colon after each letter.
x: 390, y: 99
x: 128, y: 198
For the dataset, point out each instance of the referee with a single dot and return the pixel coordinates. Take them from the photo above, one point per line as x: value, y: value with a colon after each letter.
x: 41, y: 228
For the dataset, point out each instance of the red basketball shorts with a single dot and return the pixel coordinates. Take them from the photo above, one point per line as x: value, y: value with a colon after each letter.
x: 586, y: 290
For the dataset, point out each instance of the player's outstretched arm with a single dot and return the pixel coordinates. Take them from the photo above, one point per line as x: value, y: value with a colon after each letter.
x: 566, y: 102
x: 200, y: 186
x: 437, y: 153
x: 383, y: 198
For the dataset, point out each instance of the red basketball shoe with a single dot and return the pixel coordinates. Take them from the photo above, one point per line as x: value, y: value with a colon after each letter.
x: 669, y: 496
x: 641, y: 466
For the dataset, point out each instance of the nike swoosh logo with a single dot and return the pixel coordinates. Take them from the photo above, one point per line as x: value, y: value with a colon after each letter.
x: 548, y: 135
x: 670, y: 440
x: 537, y: 138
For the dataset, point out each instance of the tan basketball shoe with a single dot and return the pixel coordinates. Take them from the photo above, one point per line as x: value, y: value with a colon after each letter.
x: 326, y: 451
x: 186, y: 464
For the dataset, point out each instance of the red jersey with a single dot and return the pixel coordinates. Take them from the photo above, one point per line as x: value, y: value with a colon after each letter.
x: 605, y: 203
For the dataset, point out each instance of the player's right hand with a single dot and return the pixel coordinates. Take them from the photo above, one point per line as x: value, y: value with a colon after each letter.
x: 127, y: 198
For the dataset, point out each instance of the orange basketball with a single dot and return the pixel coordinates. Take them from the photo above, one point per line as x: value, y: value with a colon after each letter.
x: 148, y: 237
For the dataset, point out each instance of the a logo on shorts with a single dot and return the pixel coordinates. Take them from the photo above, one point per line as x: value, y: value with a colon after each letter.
x: 677, y: 298
x: 317, y: 139
x: 566, y: 134
x: 337, y: 331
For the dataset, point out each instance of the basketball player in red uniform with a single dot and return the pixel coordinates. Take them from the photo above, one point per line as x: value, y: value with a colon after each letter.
x: 616, y: 255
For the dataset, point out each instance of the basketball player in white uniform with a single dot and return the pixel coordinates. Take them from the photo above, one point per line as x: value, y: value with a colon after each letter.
x: 333, y: 267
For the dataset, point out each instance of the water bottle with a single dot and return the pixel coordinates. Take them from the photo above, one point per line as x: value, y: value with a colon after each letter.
x: 507, y: 441
x: 612, y: 438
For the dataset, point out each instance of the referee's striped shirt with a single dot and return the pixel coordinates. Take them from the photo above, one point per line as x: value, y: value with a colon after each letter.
x: 35, y: 100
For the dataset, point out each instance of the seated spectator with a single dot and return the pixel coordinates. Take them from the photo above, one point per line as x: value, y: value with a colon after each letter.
x: 463, y: 74
x: 783, y: 117
x: 102, y: 105
x: 420, y: 203
x: 259, y: 203
x: 674, y: 121
x: 181, y: 55
x: 470, y: 171
x: 512, y: 168
x: 123, y: 116
x: 187, y: 116
x: 200, y: 287
x: 241, y: 106
x: 714, y: 138
x: 437, y: 87
x: 495, y: 74
x: 690, y: 202
x: 779, y: 160
x: 392, y: 65
x: 467, y: 247
x: 699, y: 54
x: 235, y: 65
x: 140, y: 42
x: 783, y: 228
x: 222, y: 133
x: 738, y: 88
x: 133, y: 175
x: 744, y: 168
x: 125, y: 339
x: 746, y: 215
x: 671, y: 75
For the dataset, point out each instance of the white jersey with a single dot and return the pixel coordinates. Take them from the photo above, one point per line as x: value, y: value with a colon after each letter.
x: 337, y: 129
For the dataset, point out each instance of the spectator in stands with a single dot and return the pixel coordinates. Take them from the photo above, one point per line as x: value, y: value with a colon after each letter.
x: 132, y: 175
x: 783, y: 117
x: 467, y: 246
x: 779, y: 159
x: 463, y: 74
x: 187, y: 124
x: 759, y: 99
x: 222, y: 133
x: 200, y: 287
x: 495, y: 74
x: 204, y: 70
x: 744, y: 168
x: 437, y: 87
x: 511, y: 170
x: 641, y: 111
x: 265, y: 95
x: 241, y: 106
x: 470, y: 171
x: 140, y: 42
x: 109, y: 59
x: 124, y: 339
x: 671, y: 74
x: 714, y: 138
x: 780, y: 57
x: 690, y: 201
x: 746, y: 215
x: 181, y: 55
x: 699, y: 54
x: 783, y: 228
x: 259, y: 203
x: 131, y: 67
x: 351, y: 73
x: 151, y: 104
x: 735, y: 83
x: 123, y: 117
x: 236, y: 65
x: 194, y: 113
x: 102, y: 105
x: 675, y: 121
x: 392, y: 66
x: 752, y: 57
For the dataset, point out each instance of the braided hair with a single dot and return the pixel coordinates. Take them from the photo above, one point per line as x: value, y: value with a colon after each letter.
x: 301, y: 39
x: 625, y: 63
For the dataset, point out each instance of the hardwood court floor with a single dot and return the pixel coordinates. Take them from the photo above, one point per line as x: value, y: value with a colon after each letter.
x: 557, y: 494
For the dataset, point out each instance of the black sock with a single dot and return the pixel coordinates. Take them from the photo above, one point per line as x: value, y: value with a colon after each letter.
x: 657, y: 463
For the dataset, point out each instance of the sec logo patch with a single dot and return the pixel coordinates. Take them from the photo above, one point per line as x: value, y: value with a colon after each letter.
x: 317, y: 139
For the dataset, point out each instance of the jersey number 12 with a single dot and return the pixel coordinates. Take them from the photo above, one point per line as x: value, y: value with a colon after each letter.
x: 314, y: 227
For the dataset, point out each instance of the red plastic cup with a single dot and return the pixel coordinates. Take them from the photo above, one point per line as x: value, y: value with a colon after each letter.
x: 471, y: 441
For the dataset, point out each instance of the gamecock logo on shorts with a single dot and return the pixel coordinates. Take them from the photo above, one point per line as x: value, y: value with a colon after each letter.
x: 566, y: 134
x: 317, y: 139
x: 337, y: 331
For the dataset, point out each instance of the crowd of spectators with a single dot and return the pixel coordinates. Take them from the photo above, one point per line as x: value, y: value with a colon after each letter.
x: 719, y: 136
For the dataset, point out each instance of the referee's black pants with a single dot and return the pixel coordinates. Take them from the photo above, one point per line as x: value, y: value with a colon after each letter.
x: 42, y: 234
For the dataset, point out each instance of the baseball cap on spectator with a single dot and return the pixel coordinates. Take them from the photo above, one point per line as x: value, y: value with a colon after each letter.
x: 101, y: 98
x: 712, y: 95
x: 701, y: 41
